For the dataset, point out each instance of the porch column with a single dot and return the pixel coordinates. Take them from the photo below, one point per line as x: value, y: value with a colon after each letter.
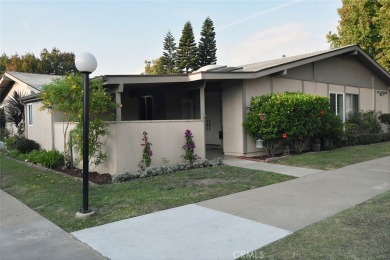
x: 118, y: 100
x: 202, y: 101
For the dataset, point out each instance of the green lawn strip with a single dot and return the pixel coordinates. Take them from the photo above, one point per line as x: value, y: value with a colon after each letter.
x: 337, y: 158
x: 361, y: 232
x: 58, y: 197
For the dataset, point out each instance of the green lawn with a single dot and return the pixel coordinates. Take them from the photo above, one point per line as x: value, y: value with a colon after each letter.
x: 362, y: 232
x: 58, y: 197
x: 337, y: 158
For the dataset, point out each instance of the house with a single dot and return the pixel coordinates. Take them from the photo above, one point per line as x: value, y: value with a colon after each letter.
x: 212, y: 103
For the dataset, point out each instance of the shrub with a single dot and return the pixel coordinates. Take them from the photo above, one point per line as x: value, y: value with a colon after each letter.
x: 331, y: 132
x: 50, y: 159
x: 4, y: 134
x: 364, y: 122
x: 288, y: 118
x: 385, y: 119
x: 24, y: 145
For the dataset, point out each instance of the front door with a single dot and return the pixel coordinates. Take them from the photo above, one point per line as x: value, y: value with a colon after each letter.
x: 213, y: 117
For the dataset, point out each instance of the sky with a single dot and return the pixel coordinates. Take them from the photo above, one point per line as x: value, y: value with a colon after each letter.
x: 123, y: 34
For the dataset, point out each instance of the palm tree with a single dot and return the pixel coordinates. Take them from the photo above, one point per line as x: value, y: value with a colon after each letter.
x: 14, y: 111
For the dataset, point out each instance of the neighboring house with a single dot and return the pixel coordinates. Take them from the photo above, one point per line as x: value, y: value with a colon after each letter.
x: 25, y: 83
x: 212, y: 103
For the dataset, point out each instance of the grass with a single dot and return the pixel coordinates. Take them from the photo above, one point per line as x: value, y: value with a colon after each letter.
x: 362, y: 232
x: 58, y: 197
x: 337, y: 158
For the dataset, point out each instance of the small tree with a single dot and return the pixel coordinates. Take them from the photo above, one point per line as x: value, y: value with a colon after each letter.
x: 207, y: 45
x: 187, y: 50
x: 154, y: 67
x: 65, y: 95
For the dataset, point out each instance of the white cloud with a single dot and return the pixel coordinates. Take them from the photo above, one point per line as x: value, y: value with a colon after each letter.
x: 288, y: 39
x: 268, y: 11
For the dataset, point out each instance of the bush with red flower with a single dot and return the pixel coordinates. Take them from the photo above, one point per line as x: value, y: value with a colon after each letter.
x: 288, y: 118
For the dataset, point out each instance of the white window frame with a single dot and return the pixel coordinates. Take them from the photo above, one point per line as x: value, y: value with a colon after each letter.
x: 30, y: 118
x: 343, y: 108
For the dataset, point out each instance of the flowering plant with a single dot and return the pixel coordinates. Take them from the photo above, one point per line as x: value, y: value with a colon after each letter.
x: 147, y: 152
x: 189, y: 147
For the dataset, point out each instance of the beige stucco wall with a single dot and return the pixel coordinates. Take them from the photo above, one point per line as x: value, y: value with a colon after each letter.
x: 233, y: 111
x: 41, y: 129
x: 366, y: 99
x: 315, y: 88
x: 124, y: 150
x: 281, y: 85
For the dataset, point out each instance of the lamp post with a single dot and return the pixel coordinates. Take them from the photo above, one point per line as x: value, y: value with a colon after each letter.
x: 85, y: 63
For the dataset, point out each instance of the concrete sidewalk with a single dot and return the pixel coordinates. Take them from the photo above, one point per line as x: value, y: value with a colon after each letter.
x: 283, y: 169
x: 24, y: 234
x: 221, y: 228
x: 229, y: 226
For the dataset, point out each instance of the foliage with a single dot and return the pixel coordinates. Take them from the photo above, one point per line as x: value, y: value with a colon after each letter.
x: 332, y: 131
x: 165, y: 169
x: 52, y: 63
x: 14, y: 111
x: 25, y: 145
x: 365, y: 139
x: 289, y: 118
x: 4, y: 134
x: 63, y: 95
x: 365, y: 23
x: 168, y: 59
x: 385, y: 119
x: 146, y: 152
x: 154, y: 67
x: 207, y: 45
x: 189, y: 148
x: 187, y: 50
x: 363, y: 122
x: 38, y: 189
x: 50, y: 159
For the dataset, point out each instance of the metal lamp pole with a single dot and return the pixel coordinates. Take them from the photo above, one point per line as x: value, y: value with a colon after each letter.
x: 86, y: 64
x: 85, y: 208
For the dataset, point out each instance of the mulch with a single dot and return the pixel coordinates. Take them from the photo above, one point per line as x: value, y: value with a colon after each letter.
x: 92, y: 177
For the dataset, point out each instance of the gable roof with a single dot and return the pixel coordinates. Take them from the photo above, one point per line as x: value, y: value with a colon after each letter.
x: 264, y: 68
x: 35, y: 81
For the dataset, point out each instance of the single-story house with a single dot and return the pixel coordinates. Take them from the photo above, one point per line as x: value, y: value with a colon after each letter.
x: 212, y: 103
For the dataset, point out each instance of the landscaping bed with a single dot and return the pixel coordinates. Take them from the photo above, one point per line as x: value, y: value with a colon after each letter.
x: 94, y: 177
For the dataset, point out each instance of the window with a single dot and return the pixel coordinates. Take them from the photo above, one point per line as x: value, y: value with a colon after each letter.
x: 337, y: 104
x: 30, y: 115
x: 343, y: 105
x: 351, y: 104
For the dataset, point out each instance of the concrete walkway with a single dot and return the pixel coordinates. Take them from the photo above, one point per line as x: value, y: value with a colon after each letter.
x: 269, y: 167
x: 221, y: 228
x: 24, y: 234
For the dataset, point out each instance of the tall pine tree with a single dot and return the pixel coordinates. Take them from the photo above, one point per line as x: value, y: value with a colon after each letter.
x: 207, y: 44
x: 187, y: 50
x: 169, y: 55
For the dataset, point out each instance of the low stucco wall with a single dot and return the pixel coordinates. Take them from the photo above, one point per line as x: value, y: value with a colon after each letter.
x: 124, y: 150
